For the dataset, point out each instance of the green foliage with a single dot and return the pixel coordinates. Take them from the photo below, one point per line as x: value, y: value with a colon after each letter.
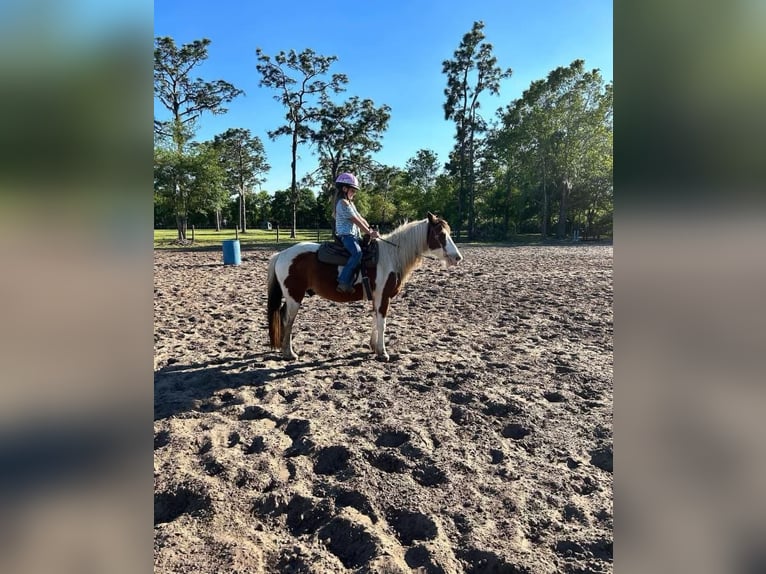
x: 301, y: 80
x: 472, y: 71
x: 347, y: 136
x: 243, y: 160
x: 545, y: 163
x: 189, y: 182
x: 183, y: 97
x: 555, y: 142
x: 306, y: 209
x: 188, y: 179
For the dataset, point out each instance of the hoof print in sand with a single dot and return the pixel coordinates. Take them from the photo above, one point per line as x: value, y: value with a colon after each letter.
x: 257, y: 445
x: 462, y: 416
x: 419, y: 558
x: 429, y: 475
x: 357, y: 500
x: 599, y: 549
x: 254, y: 413
x: 483, y: 562
x: 350, y: 542
x: 344, y: 498
x: 233, y: 439
x: 212, y: 466
x: 502, y: 410
x: 554, y: 397
x: 186, y: 499
x: 387, y: 462
x: 410, y: 526
x: 332, y: 460
x: 515, y: 431
x: 297, y: 429
x: 161, y: 439
x: 306, y: 516
x: 602, y: 458
x: 392, y: 438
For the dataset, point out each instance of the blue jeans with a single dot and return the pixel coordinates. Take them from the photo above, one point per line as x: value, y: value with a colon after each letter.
x: 352, y: 246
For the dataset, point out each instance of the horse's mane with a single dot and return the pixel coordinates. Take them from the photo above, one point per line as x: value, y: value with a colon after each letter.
x: 410, y: 240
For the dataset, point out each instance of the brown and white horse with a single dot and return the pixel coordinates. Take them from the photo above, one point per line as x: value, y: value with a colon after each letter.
x: 296, y: 270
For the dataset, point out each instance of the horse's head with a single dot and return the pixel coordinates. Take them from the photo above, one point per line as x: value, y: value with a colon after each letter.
x: 440, y: 241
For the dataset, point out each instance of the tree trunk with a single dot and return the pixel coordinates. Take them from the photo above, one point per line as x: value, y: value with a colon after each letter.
x: 507, y: 214
x: 566, y: 188
x: 461, y: 189
x: 293, y: 186
x: 242, y: 212
x: 180, y: 209
x: 218, y: 220
x: 181, y: 225
x: 471, y: 192
x: 544, y: 226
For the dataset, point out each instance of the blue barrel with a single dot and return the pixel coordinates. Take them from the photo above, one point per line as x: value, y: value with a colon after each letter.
x: 231, y: 255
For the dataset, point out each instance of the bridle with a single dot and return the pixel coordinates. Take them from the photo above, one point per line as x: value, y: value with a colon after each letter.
x: 439, y: 238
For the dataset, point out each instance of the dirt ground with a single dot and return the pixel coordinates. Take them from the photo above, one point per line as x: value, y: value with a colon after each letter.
x: 483, y: 446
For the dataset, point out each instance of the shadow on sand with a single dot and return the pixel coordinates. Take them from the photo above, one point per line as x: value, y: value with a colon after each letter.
x: 181, y: 388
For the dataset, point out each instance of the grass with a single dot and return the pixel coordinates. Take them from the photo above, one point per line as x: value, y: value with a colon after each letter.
x: 210, y: 238
x: 205, y: 239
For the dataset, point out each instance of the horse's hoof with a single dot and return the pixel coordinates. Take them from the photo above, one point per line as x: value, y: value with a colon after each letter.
x: 290, y: 356
x: 383, y: 357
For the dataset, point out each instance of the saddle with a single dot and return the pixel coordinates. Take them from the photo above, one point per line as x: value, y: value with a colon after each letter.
x: 334, y: 253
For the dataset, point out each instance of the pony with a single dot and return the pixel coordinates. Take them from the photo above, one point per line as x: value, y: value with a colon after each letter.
x: 296, y: 272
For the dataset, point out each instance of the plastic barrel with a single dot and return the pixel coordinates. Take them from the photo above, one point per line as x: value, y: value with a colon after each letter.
x: 231, y: 255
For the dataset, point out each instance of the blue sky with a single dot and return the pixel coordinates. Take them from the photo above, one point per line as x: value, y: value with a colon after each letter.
x: 392, y: 53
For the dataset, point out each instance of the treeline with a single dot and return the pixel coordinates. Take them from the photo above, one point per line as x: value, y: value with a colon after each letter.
x: 540, y: 164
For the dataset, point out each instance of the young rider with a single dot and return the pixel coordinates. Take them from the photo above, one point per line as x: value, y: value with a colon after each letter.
x: 348, y: 223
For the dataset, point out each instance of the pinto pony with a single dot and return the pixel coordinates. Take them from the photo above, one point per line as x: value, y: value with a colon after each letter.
x: 294, y: 272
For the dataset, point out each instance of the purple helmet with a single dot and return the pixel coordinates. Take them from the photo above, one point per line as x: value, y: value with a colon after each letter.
x: 348, y: 179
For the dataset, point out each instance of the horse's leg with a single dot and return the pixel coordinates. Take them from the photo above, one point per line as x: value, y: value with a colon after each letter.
x: 374, y: 330
x: 377, y: 339
x: 378, y: 334
x: 374, y: 333
x: 291, y: 310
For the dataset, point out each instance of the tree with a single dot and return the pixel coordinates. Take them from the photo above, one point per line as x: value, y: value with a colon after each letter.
x: 243, y: 159
x: 283, y: 208
x: 421, y: 172
x: 348, y: 134
x: 384, y: 194
x: 473, y: 70
x: 261, y: 207
x: 297, y: 94
x: 560, y: 133
x: 185, y: 99
x: 190, y: 182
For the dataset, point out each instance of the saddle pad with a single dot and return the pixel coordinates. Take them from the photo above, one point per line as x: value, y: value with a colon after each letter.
x: 334, y: 253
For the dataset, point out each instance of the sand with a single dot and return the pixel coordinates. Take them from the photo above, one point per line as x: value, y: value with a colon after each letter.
x: 483, y: 446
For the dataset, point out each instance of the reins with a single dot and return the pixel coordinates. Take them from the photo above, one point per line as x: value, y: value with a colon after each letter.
x: 375, y: 227
x: 387, y: 241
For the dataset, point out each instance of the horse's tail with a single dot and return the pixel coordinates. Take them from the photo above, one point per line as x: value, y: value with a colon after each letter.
x: 274, y: 311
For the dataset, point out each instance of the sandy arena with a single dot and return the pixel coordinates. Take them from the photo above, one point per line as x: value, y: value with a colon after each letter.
x: 484, y: 446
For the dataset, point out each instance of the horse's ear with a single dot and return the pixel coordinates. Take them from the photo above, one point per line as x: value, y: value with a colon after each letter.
x: 432, y: 218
